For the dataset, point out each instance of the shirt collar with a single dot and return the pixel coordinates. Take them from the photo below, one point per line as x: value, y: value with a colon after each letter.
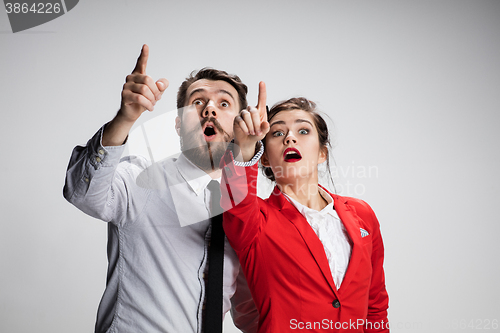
x: 196, y: 178
x: 306, y: 211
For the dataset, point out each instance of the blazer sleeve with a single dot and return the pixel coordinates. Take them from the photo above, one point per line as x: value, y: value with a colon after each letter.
x: 244, y: 214
x: 378, y: 302
x: 243, y: 310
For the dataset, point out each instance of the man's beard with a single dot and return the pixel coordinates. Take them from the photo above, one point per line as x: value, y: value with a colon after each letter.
x: 205, y: 155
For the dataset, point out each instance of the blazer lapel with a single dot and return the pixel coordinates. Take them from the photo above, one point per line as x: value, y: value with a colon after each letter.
x: 348, y: 216
x: 312, y: 241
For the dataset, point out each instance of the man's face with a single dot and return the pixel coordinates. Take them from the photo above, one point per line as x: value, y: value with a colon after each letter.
x: 207, y: 122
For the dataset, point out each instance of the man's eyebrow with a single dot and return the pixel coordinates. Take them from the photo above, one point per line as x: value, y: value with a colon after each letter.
x: 226, y: 92
x: 281, y: 122
x: 199, y: 90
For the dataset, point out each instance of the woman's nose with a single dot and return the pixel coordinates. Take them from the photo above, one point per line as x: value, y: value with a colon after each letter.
x: 290, y: 138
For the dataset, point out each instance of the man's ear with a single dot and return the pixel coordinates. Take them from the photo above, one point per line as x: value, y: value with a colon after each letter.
x: 178, y: 125
x: 323, y: 154
x: 263, y: 160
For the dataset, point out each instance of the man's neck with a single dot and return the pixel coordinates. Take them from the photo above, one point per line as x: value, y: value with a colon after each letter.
x: 215, y: 174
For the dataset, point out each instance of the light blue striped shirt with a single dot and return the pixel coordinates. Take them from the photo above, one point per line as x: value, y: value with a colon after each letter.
x: 158, y: 234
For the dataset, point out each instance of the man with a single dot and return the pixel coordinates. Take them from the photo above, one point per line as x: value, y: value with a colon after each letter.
x: 158, y: 236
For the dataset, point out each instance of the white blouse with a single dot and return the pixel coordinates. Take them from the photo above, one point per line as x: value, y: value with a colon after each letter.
x: 332, y: 234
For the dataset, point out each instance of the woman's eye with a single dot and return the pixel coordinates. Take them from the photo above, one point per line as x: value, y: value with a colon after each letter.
x: 277, y: 133
x: 224, y: 104
x: 303, y: 131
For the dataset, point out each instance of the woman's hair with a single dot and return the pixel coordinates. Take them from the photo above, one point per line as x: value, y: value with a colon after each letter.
x: 301, y: 103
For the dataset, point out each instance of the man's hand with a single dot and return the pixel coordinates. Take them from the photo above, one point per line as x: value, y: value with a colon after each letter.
x: 251, y: 125
x: 140, y: 93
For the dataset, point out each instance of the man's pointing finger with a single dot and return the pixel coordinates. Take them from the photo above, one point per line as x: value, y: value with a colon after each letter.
x: 142, y: 61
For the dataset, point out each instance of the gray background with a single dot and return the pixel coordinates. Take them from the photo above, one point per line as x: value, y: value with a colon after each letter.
x: 411, y: 86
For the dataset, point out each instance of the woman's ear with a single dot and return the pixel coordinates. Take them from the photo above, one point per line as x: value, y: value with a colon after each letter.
x: 323, y: 154
x: 263, y: 160
x: 178, y: 125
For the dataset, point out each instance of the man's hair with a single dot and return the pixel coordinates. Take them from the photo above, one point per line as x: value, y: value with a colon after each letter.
x: 213, y: 75
x: 301, y: 103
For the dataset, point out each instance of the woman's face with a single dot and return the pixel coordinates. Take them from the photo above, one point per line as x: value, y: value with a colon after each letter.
x: 292, y: 147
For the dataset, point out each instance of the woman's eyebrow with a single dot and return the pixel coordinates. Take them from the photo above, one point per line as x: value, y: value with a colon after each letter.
x: 303, y: 121
x: 281, y: 122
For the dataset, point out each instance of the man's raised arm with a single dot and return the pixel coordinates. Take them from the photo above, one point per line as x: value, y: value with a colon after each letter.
x: 140, y: 93
x: 90, y: 182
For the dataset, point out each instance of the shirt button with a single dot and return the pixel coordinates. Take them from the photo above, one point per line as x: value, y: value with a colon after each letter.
x: 101, y: 151
x: 98, y: 159
x: 336, y: 304
x: 86, y: 179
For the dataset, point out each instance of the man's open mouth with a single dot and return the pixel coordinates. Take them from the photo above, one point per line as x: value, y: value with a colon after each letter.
x: 291, y: 155
x: 209, y: 131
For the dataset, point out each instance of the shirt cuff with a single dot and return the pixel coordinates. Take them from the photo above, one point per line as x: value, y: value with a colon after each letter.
x: 100, y: 155
x: 254, y: 159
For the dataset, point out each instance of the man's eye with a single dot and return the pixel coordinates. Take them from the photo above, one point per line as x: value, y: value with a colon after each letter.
x: 303, y: 131
x: 224, y: 104
x: 197, y: 102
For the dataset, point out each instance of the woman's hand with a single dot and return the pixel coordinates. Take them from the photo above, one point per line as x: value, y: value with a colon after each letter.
x: 251, y: 126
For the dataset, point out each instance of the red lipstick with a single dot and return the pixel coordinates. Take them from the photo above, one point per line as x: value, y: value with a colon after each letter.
x: 291, y: 155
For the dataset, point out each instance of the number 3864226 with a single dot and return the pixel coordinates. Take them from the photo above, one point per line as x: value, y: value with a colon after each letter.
x: 35, y: 8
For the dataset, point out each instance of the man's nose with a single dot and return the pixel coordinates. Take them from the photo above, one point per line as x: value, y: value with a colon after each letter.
x: 210, y: 110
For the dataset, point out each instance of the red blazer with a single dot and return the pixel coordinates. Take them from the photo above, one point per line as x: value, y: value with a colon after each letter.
x: 286, y: 266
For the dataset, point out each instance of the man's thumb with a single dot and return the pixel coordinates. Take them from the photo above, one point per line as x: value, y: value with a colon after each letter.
x: 162, y: 84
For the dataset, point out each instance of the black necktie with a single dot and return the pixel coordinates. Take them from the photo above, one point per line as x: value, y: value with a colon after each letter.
x: 214, y: 293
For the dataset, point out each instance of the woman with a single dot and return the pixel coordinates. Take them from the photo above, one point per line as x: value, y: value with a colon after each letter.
x: 313, y: 260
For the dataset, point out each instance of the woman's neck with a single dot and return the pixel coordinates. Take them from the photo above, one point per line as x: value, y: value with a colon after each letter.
x: 304, y: 192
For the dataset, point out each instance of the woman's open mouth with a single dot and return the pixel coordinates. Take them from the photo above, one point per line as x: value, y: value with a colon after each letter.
x: 291, y: 155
